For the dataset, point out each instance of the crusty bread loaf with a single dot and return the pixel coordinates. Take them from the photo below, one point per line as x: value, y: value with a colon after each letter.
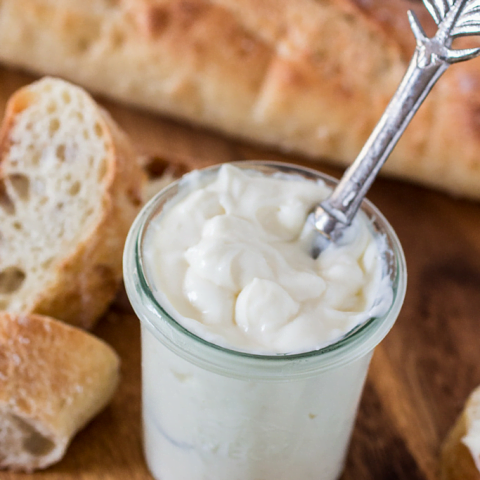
x: 69, y: 190
x: 304, y: 75
x: 53, y: 379
x: 460, y: 458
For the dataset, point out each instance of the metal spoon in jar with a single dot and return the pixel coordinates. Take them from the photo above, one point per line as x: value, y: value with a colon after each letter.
x: 432, y: 57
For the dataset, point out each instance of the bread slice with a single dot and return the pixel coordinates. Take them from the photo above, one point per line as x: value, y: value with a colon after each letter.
x: 305, y: 75
x: 160, y: 173
x: 70, y: 187
x: 460, y: 458
x: 53, y: 379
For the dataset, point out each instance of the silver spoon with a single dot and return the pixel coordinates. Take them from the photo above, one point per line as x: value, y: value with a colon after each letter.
x: 432, y: 57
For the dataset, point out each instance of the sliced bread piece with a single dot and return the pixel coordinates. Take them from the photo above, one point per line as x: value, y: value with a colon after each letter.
x: 53, y: 379
x: 70, y: 187
x: 160, y: 173
x: 460, y: 459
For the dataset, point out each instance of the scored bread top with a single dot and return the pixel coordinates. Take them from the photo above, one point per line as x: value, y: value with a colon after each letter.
x: 305, y: 75
x: 69, y: 189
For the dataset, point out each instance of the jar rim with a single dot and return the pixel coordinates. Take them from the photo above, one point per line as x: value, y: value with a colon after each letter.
x: 374, y: 329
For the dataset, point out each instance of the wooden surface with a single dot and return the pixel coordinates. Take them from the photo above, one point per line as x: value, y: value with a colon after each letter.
x: 421, y: 374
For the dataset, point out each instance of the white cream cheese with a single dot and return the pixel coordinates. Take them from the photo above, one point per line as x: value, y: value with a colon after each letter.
x: 227, y: 260
x: 202, y: 426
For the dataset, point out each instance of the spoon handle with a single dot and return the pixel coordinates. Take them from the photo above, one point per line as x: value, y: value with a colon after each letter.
x: 431, y: 59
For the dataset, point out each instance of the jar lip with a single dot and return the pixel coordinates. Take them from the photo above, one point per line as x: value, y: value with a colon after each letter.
x: 356, y: 335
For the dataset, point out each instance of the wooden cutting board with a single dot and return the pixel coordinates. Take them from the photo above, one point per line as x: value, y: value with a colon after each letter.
x: 420, y: 375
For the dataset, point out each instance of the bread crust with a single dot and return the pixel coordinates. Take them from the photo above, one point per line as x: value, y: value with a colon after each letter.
x: 457, y: 462
x: 53, y: 379
x: 308, y: 76
x: 86, y: 279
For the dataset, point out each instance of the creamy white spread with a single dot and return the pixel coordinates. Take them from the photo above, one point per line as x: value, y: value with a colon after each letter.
x: 228, y: 261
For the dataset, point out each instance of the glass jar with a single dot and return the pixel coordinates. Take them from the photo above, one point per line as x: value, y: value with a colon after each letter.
x: 211, y: 413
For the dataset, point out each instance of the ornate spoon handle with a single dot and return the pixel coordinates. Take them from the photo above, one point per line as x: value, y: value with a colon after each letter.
x: 431, y: 59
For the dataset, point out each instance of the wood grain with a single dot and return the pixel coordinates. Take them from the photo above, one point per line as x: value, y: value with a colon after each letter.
x: 420, y: 375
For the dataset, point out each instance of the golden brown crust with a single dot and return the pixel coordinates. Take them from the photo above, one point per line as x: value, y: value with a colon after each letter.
x: 86, y: 281
x: 306, y: 75
x: 53, y: 378
x: 392, y: 18
x: 456, y: 462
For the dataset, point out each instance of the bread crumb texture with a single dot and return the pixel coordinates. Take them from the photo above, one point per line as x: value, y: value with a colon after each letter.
x: 69, y: 189
x: 53, y: 379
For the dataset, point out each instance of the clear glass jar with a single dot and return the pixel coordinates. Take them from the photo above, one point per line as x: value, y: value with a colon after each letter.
x: 211, y: 413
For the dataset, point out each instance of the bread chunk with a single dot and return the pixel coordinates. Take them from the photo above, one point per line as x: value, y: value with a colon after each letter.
x: 53, y: 379
x: 70, y: 187
x: 460, y: 458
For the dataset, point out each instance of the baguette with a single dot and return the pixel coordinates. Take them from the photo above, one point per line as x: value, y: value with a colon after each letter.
x: 53, y: 379
x: 460, y: 457
x: 69, y: 190
x: 308, y: 76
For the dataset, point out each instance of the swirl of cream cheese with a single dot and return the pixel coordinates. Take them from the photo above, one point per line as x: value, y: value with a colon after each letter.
x: 228, y: 262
